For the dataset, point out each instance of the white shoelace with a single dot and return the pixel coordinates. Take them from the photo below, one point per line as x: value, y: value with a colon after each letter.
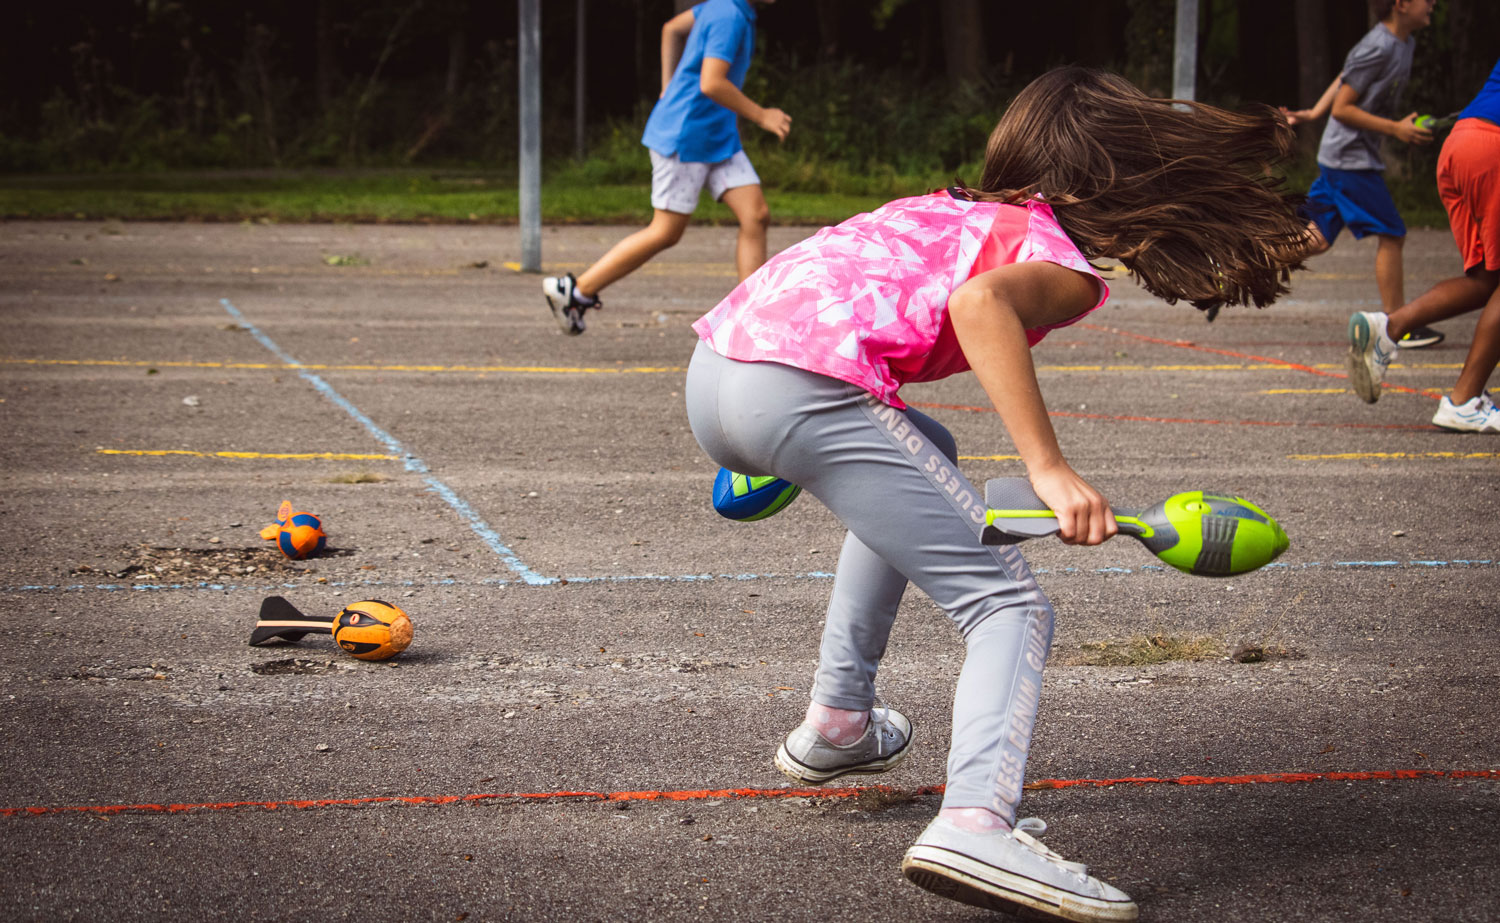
x: 878, y: 716
x: 1028, y: 828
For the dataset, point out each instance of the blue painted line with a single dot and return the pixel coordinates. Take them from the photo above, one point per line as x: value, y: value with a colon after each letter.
x: 393, y: 445
x: 667, y: 578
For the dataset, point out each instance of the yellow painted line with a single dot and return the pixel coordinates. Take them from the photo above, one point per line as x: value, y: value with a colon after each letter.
x: 157, y: 272
x: 1355, y: 456
x: 1211, y: 368
x: 989, y: 458
x: 321, y: 367
x: 124, y: 363
x: 289, y: 456
x: 723, y: 269
x: 654, y: 268
x: 1226, y: 367
x: 633, y: 370
x: 1418, y: 391
x: 1306, y: 391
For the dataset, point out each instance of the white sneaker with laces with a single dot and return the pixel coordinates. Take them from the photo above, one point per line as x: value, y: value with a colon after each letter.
x: 1476, y: 415
x: 1370, y: 353
x: 1010, y: 871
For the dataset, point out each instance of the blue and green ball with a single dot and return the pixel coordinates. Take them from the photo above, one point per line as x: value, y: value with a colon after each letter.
x: 747, y: 498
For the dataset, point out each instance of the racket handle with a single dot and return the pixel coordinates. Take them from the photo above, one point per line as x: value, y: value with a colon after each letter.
x: 1015, y: 513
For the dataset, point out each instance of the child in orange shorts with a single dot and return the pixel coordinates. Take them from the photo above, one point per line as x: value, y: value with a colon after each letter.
x: 1468, y: 177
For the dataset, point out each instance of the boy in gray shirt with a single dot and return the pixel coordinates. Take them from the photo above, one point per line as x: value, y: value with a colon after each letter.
x: 1350, y: 189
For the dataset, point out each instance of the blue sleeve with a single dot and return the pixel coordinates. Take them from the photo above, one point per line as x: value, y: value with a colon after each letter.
x: 723, y: 36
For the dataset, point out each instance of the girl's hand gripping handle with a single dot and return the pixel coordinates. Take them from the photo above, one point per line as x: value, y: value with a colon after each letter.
x: 1017, y: 512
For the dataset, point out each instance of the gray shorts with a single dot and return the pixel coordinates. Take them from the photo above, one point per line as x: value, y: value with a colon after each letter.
x: 675, y: 185
x: 912, y: 516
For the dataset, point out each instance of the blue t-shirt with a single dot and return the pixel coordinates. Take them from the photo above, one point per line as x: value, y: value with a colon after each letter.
x: 1487, y: 104
x: 684, y: 121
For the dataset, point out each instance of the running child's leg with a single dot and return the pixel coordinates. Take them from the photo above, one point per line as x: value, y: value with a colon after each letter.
x: 749, y: 206
x: 632, y: 252
x: 1484, y: 352
x: 675, y: 189
x: 1449, y: 298
x: 735, y: 183
x: 1390, y: 274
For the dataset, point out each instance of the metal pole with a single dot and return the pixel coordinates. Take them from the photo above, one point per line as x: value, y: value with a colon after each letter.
x: 580, y: 58
x: 1185, y: 60
x: 530, y: 81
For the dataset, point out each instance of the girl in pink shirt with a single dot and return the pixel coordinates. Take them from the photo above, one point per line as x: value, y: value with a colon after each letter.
x: 798, y: 373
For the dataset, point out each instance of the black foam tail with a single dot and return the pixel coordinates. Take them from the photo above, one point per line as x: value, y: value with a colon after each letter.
x: 282, y: 621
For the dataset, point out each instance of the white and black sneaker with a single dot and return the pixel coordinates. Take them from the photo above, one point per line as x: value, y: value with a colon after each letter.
x: 566, y: 303
x: 1011, y: 871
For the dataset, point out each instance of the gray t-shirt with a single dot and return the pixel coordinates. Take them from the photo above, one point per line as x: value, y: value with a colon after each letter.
x: 1379, y: 68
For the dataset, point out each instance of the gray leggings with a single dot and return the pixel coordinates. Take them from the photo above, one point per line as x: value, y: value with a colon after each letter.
x: 889, y: 476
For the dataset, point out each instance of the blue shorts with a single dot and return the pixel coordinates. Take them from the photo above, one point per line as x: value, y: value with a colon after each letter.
x: 1356, y: 198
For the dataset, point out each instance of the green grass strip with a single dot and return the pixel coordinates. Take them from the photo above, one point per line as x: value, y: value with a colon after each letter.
x: 378, y: 197
x: 426, y: 196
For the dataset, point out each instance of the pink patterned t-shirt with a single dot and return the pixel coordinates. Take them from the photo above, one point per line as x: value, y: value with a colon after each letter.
x: 867, y: 301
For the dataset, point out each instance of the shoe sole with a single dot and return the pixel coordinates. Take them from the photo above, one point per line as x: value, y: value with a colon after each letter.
x: 571, y: 324
x: 1361, y: 379
x: 1421, y: 343
x: 1463, y: 429
x: 802, y: 773
x: 968, y: 881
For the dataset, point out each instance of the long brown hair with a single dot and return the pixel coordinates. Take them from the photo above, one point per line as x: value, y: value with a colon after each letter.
x: 1182, y: 193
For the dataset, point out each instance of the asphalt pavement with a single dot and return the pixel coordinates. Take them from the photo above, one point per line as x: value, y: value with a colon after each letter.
x: 602, y: 668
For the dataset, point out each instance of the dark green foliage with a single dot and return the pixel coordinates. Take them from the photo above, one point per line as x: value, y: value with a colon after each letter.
x: 180, y: 84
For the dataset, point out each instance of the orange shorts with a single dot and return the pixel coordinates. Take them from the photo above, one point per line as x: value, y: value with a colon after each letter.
x: 1468, y: 178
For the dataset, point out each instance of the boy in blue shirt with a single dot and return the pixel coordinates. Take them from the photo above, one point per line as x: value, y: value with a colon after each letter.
x: 694, y: 140
x: 1350, y: 189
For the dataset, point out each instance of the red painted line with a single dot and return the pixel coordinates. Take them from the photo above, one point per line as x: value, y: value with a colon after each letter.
x: 1188, y: 344
x: 727, y: 794
x: 1192, y: 421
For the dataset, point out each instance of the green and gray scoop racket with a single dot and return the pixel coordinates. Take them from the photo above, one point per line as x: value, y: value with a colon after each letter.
x: 1207, y: 534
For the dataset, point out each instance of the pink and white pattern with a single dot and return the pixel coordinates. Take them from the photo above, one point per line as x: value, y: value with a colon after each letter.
x: 865, y: 299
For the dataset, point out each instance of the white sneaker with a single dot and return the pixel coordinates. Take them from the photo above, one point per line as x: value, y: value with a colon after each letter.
x: 1476, y: 415
x: 1012, y: 872
x: 1370, y: 353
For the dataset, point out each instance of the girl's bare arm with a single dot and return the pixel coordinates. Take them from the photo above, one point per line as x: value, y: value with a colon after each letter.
x: 990, y: 314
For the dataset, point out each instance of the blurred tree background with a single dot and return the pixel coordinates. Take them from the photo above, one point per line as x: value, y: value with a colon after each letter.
x: 877, y: 88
